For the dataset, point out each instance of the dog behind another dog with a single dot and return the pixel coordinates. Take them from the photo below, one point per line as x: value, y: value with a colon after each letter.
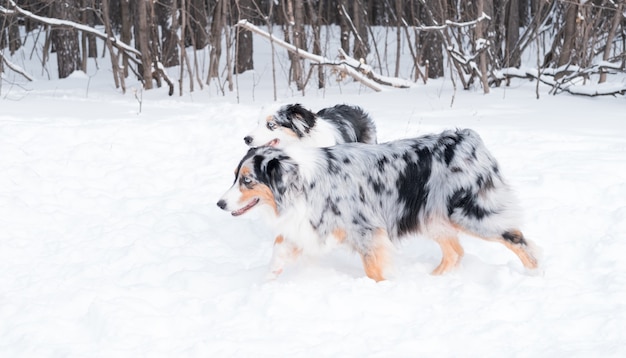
x: 292, y: 123
x: 368, y: 196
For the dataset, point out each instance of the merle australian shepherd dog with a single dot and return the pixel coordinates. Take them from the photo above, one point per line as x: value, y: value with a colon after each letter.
x: 369, y: 196
x: 292, y: 123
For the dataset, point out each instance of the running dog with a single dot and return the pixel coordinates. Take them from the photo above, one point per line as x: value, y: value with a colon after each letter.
x: 292, y: 123
x: 369, y: 196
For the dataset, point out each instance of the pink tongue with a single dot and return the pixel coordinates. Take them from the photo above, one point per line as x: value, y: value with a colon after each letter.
x: 245, y: 208
x: 273, y: 142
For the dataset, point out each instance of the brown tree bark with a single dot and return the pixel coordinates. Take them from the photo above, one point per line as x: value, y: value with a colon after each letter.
x: 125, y: 33
x: 65, y: 41
x: 482, y: 34
x: 315, y: 19
x: 143, y: 42
x: 244, y: 48
x: 569, y: 35
x: 198, y: 23
x: 511, y: 51
x: 165, y: 11
x: 294, y: 33
x: 118, y: 74
x: 343, y: 25
x: 361, y: 45
x: 215, y: 38
x: 431, y: 42
x: 617, y: 17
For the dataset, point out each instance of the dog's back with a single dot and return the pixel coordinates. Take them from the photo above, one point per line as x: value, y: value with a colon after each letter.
x: 366, y: 196
x: 354, y: 124
x: 436, y: 185
x: 294, y: 124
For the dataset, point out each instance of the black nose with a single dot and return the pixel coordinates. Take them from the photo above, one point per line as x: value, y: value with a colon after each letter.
x: 248, y: 139
x: 221, y: 204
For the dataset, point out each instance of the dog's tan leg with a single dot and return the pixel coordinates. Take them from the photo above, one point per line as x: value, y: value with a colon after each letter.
x: 451, y: 251
x: 514, y: 240
x: 376, y: 260
x: 284, y: 252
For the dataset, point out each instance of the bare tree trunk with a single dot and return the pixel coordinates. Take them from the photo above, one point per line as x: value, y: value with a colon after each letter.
x: 511, y: 52
x: 83, y: 38
x: 215, y: 39
x: 617, y: 17
x: 3, y: 33
x: 569, y: 36
x: 431, y: 41
x: 143, y: 42
x: 65, y: 41
x: 295, y: 32
x: 343, y: 25
x: 361, y: 45
x: 198, y: 23
x: 125, y: 34
x: 244, y: 49
x: 315, y: 19
x: 298, y: 41
x: 118, y: 74
x: 15, y: 40
x: 399, y: 14
x: 481, y: 34
x: 184, y: 59
x: 183, y: 52
x: 88, y: 40
x: 165, y: 12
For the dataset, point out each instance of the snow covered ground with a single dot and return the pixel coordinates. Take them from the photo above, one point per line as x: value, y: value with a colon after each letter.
x: 111, y: 244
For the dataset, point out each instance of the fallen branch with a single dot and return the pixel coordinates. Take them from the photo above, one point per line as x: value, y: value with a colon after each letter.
x: 15, y: 68
x: 357, y: 70
x: 570, y: 82
x: 368, y: 71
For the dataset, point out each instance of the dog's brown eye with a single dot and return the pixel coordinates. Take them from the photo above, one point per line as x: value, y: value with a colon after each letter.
x: 271, y: 126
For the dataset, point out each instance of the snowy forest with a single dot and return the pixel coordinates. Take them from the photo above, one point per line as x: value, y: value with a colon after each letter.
x: 122, y: 123
x: 476, y: 44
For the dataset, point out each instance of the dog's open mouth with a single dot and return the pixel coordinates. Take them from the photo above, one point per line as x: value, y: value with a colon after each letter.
x: 272, y: 143
x: 246, y: 208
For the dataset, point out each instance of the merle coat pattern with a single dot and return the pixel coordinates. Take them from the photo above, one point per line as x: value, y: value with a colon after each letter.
x: 294, y: 124
x: 368, y: 196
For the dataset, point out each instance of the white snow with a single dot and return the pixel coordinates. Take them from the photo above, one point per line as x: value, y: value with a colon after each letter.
x: 111, y: 244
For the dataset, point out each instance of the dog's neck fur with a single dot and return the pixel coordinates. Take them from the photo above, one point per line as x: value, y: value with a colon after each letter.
x: 323, y: 134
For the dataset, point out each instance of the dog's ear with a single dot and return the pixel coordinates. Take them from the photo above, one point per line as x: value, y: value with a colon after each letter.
x: 282, y: 173
x: 301, y: 118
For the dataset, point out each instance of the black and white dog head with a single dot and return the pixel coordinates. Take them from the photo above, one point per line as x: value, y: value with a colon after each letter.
x: 283, y: 126
x: 265, y: 175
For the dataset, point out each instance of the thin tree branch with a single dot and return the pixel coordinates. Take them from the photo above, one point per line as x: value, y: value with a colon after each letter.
x: 452, y: 24
x: 57, y: 23
x: 15, y: 68
x: 359, y: 71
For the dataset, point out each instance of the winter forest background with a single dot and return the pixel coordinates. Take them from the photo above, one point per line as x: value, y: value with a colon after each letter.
x: 121, y: 123
x: 187, y: 44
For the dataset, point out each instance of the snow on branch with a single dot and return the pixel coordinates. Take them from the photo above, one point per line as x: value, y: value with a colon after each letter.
x: 368, y: 71
x: 356, y: 69
x: 571, y: 82
x: 65, y: 23
x: 15, y: 68
x: 453, y: 24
